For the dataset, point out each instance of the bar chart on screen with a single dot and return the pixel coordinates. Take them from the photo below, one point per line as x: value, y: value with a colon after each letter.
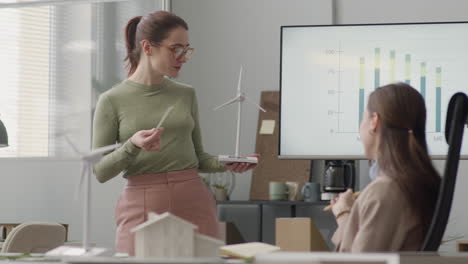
x: 376, y: 70
x: 336, y: 68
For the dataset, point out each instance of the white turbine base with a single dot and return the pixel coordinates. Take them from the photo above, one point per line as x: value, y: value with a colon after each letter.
x: 74, y: 251
x: 232, y: 158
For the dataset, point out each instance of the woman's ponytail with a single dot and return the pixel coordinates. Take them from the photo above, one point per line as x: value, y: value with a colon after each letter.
x: 133, y: 53
x: 154, y: 27
x: 417, y: 153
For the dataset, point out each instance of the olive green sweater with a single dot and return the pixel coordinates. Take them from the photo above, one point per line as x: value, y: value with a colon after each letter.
x: 129, y: 107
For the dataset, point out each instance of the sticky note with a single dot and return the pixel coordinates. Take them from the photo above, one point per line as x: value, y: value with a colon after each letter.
x: 267, y: 127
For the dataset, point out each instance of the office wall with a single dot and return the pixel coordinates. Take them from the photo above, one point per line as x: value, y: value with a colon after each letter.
x: 40, y: 189
x: 381, y: 11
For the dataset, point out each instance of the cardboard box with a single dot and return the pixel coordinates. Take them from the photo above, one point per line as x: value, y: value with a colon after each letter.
x: 299, y: 234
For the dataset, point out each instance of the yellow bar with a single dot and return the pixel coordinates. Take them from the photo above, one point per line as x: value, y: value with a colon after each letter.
x: 438, y: 77
x: 361, y: 73
x: 408, y: 67
x: 377, y: 58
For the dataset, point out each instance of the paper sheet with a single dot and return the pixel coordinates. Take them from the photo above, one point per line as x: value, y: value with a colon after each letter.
x: 267, y: 127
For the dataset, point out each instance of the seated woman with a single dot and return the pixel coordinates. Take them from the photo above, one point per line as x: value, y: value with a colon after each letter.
x: 394, y: 211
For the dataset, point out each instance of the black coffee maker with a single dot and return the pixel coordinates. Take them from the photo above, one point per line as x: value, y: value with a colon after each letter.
x: 339, y: 176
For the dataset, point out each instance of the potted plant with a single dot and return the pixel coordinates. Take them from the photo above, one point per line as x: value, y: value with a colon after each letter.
x: 220, y: 192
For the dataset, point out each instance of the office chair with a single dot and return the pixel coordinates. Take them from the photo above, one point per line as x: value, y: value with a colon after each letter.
x: 34, y: 238
x: 454, y: 127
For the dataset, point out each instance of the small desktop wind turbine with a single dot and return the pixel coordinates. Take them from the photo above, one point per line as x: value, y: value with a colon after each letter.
x: 240, y: 98
x: 88, y: 160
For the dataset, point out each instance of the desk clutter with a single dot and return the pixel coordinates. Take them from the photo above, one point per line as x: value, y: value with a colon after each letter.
x: 247, y: 251
x: 294, y: 191
x: 297, y: 241
x: 276, y: 257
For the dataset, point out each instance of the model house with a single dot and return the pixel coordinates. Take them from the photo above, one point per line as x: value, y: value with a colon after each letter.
x: 169, y: 236
x: 206, y: 246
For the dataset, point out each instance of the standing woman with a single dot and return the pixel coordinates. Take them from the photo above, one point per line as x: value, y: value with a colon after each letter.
x: 161, y: 168
x: 394, y: 211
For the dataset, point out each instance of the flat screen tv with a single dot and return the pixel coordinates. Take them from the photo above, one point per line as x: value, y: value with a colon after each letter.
x: 328, y: 71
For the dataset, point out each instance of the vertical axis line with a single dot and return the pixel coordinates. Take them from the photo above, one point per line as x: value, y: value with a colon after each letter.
x: 339, y: 84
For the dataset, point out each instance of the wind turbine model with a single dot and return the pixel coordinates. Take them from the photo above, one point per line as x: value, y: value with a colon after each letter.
x: 88, y: 160
x: 240, y: 98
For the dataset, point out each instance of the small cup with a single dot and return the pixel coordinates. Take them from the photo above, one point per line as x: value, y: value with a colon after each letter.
x: 220, y: 194
x: 293, y: 190
x: 278, y: 191
x: 311, y: 192
x: 300, y: 197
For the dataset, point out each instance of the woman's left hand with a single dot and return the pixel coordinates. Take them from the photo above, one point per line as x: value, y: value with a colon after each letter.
x: 342, y: 203
x: 241, y: 167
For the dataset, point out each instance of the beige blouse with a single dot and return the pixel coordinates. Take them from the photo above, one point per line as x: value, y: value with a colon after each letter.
x: 380, y: 220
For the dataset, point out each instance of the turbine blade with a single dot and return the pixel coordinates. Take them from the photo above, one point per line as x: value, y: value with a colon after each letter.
x: 72, y: 145
x: 255, y: 104
x: 233, y: 100
x: 79, y: 189
x: 239, y: 84
x: 102, y: 150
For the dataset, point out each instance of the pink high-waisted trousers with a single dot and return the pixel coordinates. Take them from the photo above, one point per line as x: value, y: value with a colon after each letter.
x: 181, y: 193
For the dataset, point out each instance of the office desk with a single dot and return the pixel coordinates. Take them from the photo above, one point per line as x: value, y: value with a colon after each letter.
x: 403, y: 258
x: 255, y: 220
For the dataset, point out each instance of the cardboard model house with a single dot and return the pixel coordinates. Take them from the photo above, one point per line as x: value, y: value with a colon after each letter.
x: 206, y: 247
x: 168, y: 236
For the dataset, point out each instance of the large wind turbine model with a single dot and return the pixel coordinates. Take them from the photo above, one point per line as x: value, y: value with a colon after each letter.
x: 88, y: 160
x: 240, y: 98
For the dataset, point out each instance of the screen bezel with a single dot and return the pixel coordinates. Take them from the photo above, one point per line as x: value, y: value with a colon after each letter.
x: 341, y: 157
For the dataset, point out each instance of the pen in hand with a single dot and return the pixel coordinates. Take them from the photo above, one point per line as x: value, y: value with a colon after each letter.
x: 168, y: 110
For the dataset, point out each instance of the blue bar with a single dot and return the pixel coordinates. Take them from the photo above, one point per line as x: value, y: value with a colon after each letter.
x: 438, y: 109
x: 423, y: 80
x: 423, y: 87
x: 438, y: 98
x: 361, y: 106
x: 377, y: 68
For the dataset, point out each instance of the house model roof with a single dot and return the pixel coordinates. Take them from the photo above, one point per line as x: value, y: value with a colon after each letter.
x: 154, y: 218
x: 209, y: 239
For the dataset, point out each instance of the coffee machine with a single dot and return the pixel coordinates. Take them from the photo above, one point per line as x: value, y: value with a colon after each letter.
x: 339, y: 176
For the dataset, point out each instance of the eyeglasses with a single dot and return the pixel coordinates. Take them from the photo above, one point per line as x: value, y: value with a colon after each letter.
x: 180, y: 52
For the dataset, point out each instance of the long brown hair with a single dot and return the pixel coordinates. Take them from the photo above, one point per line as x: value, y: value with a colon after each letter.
x: 402, y: 152
x: 154, y: 27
